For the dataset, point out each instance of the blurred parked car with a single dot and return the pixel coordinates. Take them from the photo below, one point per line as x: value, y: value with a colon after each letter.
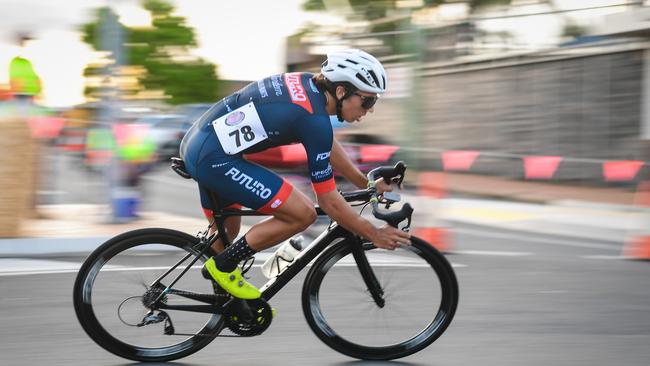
x: 166, y: 131
x: 192, y: 112
x: 365, y: 150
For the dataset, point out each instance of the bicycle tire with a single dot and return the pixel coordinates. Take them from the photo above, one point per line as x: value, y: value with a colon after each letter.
x: 312, y: 300
x: 83, y: 296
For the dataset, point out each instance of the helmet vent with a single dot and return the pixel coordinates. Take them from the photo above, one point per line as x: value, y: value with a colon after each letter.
x: 362, y: 79
x: 351, y: 61
x: 374, y: 77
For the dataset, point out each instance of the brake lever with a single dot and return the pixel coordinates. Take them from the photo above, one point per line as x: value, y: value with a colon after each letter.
x: 399, y: 180
x: 407, y: 228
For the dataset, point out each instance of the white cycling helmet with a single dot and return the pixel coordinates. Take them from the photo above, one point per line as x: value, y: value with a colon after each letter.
x: 357, y: 68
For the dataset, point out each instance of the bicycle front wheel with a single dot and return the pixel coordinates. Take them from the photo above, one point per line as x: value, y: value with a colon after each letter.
x: 420, y: 292
x: 114, y: 287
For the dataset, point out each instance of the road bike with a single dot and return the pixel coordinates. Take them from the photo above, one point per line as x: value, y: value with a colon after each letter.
x: 362, y: 301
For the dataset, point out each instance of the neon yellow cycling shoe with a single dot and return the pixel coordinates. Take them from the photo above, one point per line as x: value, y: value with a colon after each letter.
x: 233, y: 282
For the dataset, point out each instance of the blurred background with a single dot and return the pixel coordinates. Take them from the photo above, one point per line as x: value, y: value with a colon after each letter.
x: 552, y: 91
x: 523, y: 100
x: 525, y: 125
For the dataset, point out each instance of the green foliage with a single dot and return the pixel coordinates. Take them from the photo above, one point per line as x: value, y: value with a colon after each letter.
x: 313, y: 5
x: 479, y: 3
x: 573, y: 30
x: 375, y: 9
x: 158, y: 50
x: 388, y: 17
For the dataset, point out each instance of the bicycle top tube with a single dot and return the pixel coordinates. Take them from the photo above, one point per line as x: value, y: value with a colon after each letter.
x: 351, y: 196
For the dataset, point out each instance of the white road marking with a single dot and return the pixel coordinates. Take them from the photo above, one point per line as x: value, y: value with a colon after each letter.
x: 533, y: 238
x: 22, y: 267
x: 492, y: 253
x: 608, y: 257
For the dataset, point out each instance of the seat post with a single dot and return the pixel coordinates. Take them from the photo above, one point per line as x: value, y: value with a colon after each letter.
x: 218, y: 217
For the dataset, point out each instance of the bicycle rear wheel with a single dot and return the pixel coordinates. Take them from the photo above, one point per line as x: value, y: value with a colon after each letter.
x: 111, y: 290
x: 420, y: 293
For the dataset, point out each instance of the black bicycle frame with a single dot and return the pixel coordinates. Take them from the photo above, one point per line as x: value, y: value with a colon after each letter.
x: 274, y: 285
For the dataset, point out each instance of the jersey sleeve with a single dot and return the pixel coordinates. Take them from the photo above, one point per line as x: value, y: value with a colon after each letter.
x: 317, y: 138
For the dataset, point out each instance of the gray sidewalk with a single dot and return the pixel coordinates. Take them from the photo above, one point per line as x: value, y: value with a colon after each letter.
x: 81, y: 228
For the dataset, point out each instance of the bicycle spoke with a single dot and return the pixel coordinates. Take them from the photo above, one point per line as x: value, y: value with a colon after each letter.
x: 412, y: 292
x: 124, y: 304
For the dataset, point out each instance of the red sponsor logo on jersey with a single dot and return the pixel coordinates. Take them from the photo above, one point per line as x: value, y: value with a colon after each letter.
x: 235, y: 118
x: 297, y: 92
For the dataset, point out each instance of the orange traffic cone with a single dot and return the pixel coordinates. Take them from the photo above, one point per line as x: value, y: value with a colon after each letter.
x: 431, y: 188
x: 638, y: 246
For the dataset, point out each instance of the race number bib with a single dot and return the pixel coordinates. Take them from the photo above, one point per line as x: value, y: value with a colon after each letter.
x: 240, y: 129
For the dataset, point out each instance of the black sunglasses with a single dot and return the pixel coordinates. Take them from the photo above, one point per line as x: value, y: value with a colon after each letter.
x: 366, y: 101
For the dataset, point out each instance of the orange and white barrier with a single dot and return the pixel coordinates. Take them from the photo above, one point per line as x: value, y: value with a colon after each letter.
x: 622, y: 170
x: 638, y: 244
x: 541, y: 167
x: 426, y: 222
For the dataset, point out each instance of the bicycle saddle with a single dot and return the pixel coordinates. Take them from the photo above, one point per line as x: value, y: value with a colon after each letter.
x: 178, y: 165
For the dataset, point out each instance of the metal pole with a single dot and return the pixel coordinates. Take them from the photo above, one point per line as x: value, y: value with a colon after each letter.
x: 111, y: 40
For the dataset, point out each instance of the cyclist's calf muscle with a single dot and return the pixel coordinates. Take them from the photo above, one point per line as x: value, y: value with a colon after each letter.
x: 232, y: 224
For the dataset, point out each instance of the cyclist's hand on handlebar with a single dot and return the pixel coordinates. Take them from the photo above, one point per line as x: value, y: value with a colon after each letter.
x: 382, y: 186
x: 390, y: 238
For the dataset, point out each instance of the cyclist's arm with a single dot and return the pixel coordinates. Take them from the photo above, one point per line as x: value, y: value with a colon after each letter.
x: 342, y: 163
x: 338, y: 209
x: 317, y: 137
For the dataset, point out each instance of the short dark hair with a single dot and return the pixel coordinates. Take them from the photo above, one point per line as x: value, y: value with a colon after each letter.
x: 323, y: 84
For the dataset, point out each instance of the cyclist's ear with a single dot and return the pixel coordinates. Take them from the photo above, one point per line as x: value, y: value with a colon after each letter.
x: 341, y: 91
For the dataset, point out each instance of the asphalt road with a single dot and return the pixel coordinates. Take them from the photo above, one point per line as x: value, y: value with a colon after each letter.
x: 524, y: 300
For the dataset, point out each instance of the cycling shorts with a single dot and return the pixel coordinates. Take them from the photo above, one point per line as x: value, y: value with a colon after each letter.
x: 238, y: 182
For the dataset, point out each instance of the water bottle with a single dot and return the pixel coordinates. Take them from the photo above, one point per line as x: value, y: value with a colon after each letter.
x: 282, y: 257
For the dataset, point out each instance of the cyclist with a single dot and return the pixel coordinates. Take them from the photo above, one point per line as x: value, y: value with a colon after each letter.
x: 279, y: 110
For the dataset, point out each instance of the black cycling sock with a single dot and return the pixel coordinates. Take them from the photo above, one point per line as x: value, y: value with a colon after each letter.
x: 228, y: 260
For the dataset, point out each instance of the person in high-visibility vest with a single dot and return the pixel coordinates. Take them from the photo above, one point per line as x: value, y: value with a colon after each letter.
x: 24, y: 82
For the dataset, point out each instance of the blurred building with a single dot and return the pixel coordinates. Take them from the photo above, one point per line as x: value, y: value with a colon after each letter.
x: 458, y: 88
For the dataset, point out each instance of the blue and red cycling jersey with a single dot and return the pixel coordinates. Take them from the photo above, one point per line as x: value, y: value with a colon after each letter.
x: 278, y: 110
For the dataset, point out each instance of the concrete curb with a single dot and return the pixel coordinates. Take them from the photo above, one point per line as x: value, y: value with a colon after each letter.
x: 48, y: 246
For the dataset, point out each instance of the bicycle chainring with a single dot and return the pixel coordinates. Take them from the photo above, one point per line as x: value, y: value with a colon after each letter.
x: 248, y: 318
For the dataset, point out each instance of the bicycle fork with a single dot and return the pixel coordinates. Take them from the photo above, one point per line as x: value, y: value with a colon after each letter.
x: 368, y: 275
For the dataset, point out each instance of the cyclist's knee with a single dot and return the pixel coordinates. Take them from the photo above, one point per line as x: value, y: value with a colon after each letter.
x: 298, y: 212
x: 301, y: 217
x: 307, y: 218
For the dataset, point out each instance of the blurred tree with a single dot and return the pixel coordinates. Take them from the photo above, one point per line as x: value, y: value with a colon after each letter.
x: 157, y: 56
x: 373, y: 9
x: 479, y: 3
x: 573, y: 30
x: 386, y: 16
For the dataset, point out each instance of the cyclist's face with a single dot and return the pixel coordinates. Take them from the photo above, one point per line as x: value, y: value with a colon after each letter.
x: 354, y: 106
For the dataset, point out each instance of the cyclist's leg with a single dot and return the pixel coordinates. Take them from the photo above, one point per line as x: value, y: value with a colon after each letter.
x: 232, y: 224
x: 240, y: 181
x: 294, y: 216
